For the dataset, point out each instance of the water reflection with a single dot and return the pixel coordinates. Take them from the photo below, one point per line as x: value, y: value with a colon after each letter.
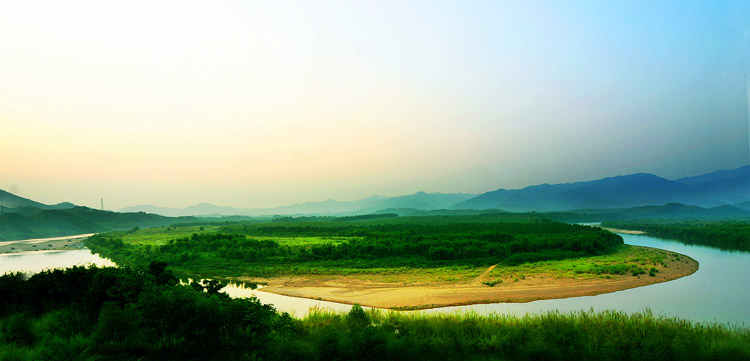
x: 295, y: 306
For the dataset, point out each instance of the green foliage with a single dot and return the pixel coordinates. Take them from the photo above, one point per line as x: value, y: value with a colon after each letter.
x: 123, y: 314
x: 492, y: 283
x: 366, y: 217
x: 306, y: 246
x: 357, y: 317
x: 728, y: 235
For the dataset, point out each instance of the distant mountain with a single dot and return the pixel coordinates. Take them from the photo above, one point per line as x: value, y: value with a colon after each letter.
x: 719, y: 175
x: 708, y: 190
x: 716, y: 195
x: 10, y: 200
x: 720, y: 187
x: 620, y: 191
x: 419, y: 201
x: 724, y: 187
x: 670, y: 211
x: 202, y: 209
x: 743, y: 205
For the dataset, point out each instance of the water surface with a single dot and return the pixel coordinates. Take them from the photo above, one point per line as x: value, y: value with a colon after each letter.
x: 36, y: 261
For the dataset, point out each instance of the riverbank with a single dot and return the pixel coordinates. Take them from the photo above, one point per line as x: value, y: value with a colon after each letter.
x: 163, y: 322
x: 44, y: 244
x: 530, y: 282
x: 625, y: 231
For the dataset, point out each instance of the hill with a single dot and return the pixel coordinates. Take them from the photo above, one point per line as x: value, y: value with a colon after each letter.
x: 707, y: 190
x: 41, y: 223
x: 10, y: 200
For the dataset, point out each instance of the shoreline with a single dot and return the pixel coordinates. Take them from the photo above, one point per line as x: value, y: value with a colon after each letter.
x: 44, y: 244
x: 626, y: 231
x: 389, y: 295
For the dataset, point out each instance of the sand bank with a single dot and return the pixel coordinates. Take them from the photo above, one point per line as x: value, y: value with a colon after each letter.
x: 408, y: 295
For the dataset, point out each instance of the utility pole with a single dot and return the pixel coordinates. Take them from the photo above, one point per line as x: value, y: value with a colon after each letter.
x: 102, y: 203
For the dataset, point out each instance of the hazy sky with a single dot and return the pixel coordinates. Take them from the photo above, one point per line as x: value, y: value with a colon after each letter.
x: 254, y: 104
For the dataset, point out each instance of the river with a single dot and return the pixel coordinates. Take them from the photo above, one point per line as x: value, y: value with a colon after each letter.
x: 718, y: 292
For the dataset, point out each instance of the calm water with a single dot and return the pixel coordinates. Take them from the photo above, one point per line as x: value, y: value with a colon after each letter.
x: 36, y: 261
x: 718, y: 292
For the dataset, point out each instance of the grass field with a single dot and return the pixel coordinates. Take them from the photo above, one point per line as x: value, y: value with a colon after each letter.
x: 624, y: 260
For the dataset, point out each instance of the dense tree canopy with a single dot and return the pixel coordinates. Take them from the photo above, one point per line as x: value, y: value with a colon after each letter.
x: 379, y: 242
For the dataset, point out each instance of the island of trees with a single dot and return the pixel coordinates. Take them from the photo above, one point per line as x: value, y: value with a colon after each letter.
x: 339, y: 244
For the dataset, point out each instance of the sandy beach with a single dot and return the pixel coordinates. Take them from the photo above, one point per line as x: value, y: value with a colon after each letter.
x: 626, y: 231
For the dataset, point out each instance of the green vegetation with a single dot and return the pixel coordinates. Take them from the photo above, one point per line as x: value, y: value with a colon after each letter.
x: 341, y: 246
x: 492, y: 283
x: 129, y: 314
x: 624, y: 260
x: 728, y: 235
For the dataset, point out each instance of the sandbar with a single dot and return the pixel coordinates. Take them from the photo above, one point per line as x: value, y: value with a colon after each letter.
x: 410, y: 295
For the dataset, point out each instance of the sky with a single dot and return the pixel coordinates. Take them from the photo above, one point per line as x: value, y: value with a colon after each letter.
x: 266, y: 103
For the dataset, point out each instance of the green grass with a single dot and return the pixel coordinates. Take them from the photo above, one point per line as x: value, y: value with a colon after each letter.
x: 550, y: 336
x: 623, y: 260
x: 158, y: 236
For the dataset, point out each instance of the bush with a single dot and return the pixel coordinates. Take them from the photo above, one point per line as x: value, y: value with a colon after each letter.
x: 357, y: 317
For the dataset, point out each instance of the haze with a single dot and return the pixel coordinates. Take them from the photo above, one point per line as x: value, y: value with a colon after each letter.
x: 257, y: 104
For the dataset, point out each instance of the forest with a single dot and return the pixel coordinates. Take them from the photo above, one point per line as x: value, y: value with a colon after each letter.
x: 143, y: 314
x: 384, y: 242
x: 727, y: 235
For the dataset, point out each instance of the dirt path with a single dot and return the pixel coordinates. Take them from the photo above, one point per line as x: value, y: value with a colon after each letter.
x: 479, y: 279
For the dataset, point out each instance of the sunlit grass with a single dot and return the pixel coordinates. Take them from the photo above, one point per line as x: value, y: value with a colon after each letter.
x: 608, y: 335
x: 160, y: 235
x: 622, y: 261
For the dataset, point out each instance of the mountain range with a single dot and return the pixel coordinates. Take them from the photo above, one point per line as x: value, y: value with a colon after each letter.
x: 723, y: 187
x: 722, y: 194
x: 420, y: 201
